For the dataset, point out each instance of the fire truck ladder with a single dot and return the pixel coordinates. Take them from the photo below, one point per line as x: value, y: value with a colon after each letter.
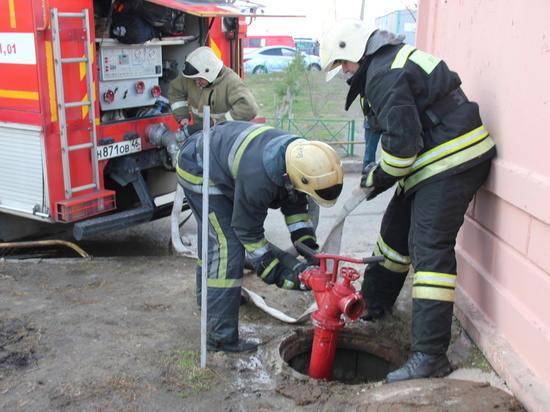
x: 63, y: 105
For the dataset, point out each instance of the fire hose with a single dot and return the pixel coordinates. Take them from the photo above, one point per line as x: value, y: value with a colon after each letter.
x: 336, y: 300
x: 161, y: 136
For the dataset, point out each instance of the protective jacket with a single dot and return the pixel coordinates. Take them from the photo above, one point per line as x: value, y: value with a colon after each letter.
x: 228, y: 96
x: 429, y: 129
x: 247, y: 166
x: 435, y: 146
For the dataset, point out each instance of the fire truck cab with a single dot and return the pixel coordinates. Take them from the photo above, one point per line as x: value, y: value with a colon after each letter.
x: 75, y: 104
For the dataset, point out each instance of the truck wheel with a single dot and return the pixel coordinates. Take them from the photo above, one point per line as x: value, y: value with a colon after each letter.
x: 314, y: 68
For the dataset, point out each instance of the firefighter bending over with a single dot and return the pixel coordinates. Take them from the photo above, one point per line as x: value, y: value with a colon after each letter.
x: 253, y: 168
x: 205, y: 81
x: 435, y: 147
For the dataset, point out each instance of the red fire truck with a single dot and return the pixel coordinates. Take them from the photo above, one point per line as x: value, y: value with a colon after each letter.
x: 75, y: 104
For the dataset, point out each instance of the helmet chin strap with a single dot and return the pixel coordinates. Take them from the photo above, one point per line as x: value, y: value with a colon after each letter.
x: 289, y: 186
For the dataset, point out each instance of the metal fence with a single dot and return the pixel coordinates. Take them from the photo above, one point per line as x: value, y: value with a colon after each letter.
x: 340, y: 134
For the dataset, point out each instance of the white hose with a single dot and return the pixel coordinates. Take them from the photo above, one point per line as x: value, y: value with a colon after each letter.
x: 178, y: 245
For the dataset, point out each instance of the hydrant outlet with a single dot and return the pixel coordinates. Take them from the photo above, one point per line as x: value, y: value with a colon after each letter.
x: 352, y: 306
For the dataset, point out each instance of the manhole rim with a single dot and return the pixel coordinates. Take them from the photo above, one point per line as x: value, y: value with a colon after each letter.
x: 300, y: 340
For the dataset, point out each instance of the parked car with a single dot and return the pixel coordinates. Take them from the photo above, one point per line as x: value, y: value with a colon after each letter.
x: 275, y: 59
x: 307, y: 45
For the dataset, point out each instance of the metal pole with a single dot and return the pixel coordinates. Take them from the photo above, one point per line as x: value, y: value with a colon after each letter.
x: 204, y: 240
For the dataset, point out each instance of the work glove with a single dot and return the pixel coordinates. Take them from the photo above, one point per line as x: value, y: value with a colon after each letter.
x: 190, y: 129
x: 292, y: 268
x: 277, y: 267
x: 292, y: 280
x: 374, y: 178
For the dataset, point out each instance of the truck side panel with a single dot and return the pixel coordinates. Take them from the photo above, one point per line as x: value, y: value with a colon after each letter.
x: 18, y: 59
x: 75, y: 109
x: 23, y: 190
x: 21, y: 175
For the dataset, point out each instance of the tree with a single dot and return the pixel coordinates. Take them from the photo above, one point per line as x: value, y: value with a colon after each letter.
x: 289, y: 87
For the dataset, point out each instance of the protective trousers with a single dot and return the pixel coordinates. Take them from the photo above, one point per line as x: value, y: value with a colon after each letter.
x: 225, y: 268
x: 421, y: 229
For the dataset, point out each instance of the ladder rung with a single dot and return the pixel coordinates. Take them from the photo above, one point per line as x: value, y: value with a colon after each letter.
x: 74, y: 60
x: 80, y: 146
x: 78, y: 104
x: 65, y: 134
x: 70, y: 14
x: 85, y: 187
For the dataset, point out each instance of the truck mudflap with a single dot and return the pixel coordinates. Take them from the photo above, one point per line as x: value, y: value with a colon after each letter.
x: 121, y: 220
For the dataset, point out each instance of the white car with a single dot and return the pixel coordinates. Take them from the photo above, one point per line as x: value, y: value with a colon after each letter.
x: 275, y: 59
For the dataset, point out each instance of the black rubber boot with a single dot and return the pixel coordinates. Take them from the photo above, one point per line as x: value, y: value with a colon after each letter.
x: 422, y: 365
x: 374, y: 312
x: 241, y: 345
x: 223, y: 335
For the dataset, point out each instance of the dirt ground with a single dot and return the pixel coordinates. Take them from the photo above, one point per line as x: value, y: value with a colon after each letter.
x: 123, y: 334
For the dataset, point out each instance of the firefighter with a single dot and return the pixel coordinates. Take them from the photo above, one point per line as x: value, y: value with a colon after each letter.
x: 205, y: 81
x: 253, y: 168
x: 435, y: 147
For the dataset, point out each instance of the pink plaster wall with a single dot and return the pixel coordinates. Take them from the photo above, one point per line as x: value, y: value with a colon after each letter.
x: 501, y: 50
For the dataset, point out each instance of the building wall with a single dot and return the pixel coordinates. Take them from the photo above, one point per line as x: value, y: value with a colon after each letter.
x: 501, y: 50
x: 400, y: 22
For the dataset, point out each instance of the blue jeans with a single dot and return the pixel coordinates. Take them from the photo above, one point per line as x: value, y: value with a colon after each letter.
x: 371, y: 144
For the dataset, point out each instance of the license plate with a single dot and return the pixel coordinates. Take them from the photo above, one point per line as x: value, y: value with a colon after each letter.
x: 118, y: 149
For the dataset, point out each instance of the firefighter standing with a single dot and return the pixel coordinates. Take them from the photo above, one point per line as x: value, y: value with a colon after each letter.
x: 205, y: 81
x: 253, y: 168
x: 435, y: 147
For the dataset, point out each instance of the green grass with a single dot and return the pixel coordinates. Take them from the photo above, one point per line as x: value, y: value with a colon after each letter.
x: 187, y: 374
x: 315, y: 98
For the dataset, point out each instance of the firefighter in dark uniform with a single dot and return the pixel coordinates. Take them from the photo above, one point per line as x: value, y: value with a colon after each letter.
x: 435, y: 147
x: 253, y: 168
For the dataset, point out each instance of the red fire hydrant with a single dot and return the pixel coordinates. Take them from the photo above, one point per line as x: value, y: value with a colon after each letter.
x: 336, y: 300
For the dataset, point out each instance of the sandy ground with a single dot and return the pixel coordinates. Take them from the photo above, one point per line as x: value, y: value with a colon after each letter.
x: 124, y: 334
x: 121, y: 332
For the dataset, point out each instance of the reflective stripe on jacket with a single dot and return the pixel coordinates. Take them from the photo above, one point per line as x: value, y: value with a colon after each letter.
x: 402, y: 85
x: 241, y: 171
x: 228, y: 96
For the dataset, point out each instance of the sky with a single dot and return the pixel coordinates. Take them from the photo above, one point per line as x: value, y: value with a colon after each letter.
x: 319, y: 15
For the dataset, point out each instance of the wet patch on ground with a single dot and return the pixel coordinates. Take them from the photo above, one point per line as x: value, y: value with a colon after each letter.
x: 18, y: 344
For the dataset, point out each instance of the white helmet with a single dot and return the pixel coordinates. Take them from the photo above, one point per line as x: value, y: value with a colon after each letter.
x: 345, y: 40
x: 202, y: 63
x: 316, y: 169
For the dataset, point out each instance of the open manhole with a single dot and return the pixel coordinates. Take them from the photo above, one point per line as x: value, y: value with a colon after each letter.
x: 361, y: 357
